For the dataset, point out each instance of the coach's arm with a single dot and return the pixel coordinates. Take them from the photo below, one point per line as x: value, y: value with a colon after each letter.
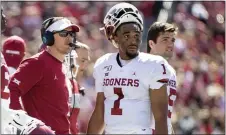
x: 29, y: 73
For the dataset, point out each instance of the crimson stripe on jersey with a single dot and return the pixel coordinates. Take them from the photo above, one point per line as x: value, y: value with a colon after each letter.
x: 163, y: 80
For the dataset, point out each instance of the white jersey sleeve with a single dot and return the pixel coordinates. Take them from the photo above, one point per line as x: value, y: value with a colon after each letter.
x: 171, y: 91
x: 160, y: 74
x: 97, y: 73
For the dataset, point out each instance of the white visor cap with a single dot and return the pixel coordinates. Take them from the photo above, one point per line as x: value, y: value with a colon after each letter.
x: 63, y: 24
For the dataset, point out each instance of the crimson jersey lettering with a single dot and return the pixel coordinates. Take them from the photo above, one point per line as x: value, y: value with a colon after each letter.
x: 120, y: 82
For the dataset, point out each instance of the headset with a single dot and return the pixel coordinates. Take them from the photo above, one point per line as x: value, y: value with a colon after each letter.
x: 47, y: 36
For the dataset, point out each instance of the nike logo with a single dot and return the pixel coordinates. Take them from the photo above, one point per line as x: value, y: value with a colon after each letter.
x: 55, y: 78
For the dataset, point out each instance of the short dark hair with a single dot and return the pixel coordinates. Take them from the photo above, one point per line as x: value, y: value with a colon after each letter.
x: 49, y: 22
x: 156, y: 28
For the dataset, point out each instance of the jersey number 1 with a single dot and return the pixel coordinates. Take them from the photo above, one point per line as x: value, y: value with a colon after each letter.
x: 116, y: 110
x: 164, y: 69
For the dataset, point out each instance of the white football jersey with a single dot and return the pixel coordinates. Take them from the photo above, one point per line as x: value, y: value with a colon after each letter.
x: 172, y: 94
x: 126, y: 89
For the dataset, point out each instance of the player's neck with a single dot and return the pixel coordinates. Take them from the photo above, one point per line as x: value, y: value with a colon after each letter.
x: 123, y: 57
x: 55, y: 53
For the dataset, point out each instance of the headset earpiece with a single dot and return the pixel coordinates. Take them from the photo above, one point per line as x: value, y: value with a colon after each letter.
x: 47, y: 36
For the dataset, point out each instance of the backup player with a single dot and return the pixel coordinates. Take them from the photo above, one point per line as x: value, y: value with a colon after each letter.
x: 160, y: 41
x: 130, y: 85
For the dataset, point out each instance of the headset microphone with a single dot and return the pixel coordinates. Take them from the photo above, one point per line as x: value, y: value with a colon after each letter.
x: 74, y: 45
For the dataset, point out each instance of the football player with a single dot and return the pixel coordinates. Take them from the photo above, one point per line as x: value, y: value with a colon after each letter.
x: 160, y: 41
x: 130, y: 85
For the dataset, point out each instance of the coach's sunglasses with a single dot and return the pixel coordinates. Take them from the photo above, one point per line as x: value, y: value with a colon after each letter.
x: 64, y: 33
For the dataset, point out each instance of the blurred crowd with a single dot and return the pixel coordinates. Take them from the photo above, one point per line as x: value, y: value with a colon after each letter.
x: 199, y: 52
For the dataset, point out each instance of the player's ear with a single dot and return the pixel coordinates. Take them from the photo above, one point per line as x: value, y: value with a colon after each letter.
x: 151, y: 43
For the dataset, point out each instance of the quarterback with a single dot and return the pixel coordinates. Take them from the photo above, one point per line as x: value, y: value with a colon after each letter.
x: 130, y: 85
